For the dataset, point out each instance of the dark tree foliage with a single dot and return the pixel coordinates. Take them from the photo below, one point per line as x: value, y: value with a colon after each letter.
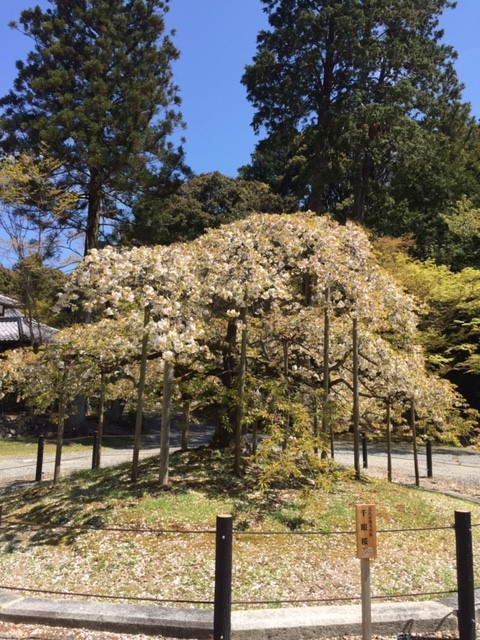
x: 36, y: 287
x: 203, y: 202
x: 7, y: 282
x: 97, y: 91
x: 362, y: 112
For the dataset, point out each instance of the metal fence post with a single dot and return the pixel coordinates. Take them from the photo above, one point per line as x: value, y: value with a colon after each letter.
x: 466, y: 588
x: 223, y: 578
x: 40, y: 448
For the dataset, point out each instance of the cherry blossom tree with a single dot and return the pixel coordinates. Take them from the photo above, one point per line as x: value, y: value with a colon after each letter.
x: 245, y: 304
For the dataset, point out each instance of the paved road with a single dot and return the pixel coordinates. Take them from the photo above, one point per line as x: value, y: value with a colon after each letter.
x: 15, y: 471
x: 455, y: 470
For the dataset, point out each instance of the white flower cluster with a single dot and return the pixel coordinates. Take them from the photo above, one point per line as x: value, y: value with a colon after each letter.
x: 274, y: 269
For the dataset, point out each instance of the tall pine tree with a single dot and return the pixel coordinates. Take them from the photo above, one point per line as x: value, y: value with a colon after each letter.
x: 97, y: 90
x: 354, y: 95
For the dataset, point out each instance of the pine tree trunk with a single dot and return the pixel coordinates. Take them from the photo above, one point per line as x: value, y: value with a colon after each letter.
x: 93, y: 212
x: 317, y: 200
x: 361, y: 185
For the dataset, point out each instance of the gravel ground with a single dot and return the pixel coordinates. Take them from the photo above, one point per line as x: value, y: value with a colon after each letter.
x: 26, y: 632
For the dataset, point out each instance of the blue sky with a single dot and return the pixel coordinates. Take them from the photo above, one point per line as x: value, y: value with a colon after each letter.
x: 216, y: 39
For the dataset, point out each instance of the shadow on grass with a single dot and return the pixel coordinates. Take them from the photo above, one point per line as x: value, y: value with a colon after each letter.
x: 54, y: 514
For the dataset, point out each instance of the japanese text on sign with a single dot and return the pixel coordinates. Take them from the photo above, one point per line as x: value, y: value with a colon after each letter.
x: 366, y: 531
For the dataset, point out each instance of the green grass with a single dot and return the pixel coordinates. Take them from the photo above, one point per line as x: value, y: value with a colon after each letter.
x: 163, y: 563
x: 27, y: 446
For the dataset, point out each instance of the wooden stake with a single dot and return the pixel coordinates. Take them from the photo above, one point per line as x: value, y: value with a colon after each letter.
x: 366, y: 600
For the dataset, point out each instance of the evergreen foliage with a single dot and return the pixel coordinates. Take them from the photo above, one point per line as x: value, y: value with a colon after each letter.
x: 97, y: 90
x: 202, y: 202
x: 362, y: 113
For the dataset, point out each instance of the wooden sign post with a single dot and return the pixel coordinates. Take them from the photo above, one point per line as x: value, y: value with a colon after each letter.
x: 366, y: 529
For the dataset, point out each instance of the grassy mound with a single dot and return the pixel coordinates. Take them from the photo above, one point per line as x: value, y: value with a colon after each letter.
x: 98, y: 533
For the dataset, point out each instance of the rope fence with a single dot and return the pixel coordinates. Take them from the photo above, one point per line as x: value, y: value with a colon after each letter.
x: 238, y: 532
x: 223, y: 582
x: 224, y: 533
x: 7, y: 524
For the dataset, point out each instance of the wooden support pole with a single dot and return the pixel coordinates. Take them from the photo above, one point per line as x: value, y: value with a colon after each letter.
x: 366, y: 599
x: 165, y: 426
x: 356, y: 402
x: 95, y: 450
x: 100, y: 423
x: 185, y: 424
x: 429, y: 459
x: 242, y: 370
x: 62, y: 410
x: 364, y: 451
x: 137, y: 436
x: 414, y: 439
x: 327, y: 423
x: 389, y: 441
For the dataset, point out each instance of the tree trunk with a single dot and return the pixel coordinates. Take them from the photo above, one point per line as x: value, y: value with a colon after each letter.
x: 318, y: 182
x: 93, y: 212
x: 185, y: 424
x: 101, y: 422
x: 165, y: 427
x: 356, y: 402
x: 255, y: 439
x: 414, y: 438
x: 316, y: 430
x: 327, y: 426
x: 61, y: 428
x: 361, y: 185
x: 242, y: 370
x: 222, y: 437
x: 140, y: 393
x: 389, y: 441
x: 287, y: 393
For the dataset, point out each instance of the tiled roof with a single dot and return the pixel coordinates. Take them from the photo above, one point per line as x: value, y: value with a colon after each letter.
x: 8, y: 302
x: 15, y: 327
